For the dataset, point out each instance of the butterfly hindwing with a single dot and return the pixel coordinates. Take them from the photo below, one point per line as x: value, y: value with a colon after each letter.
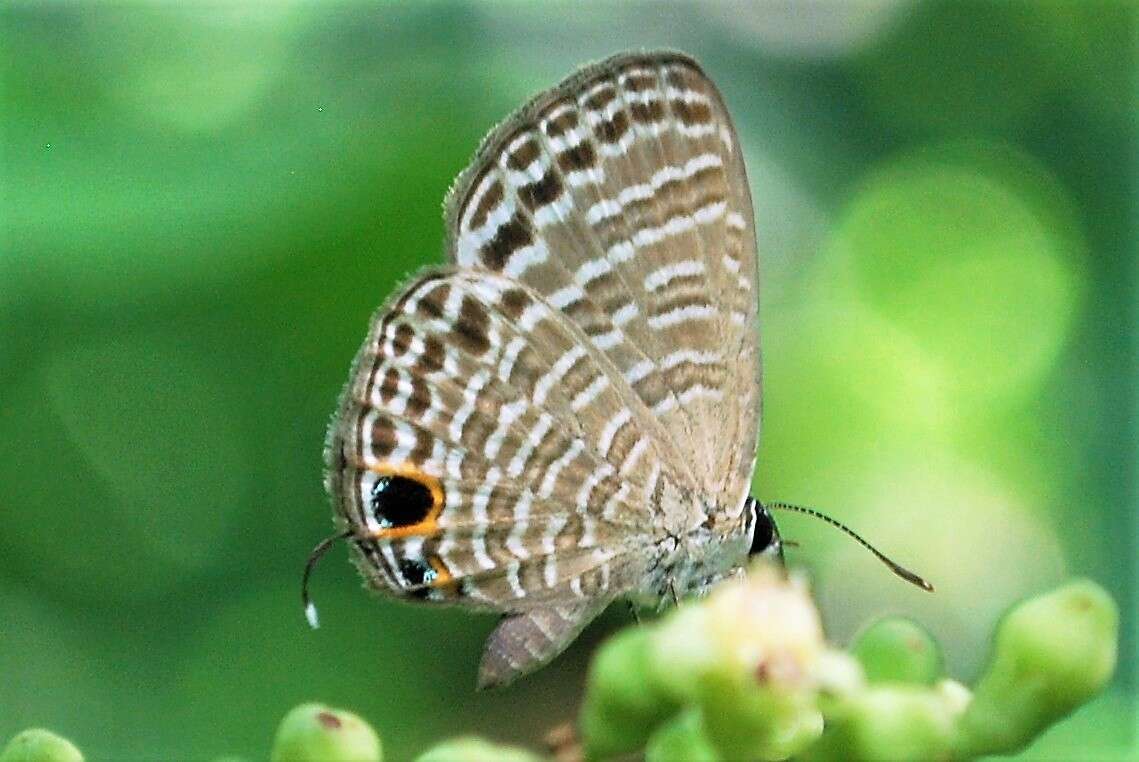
x: 528, y: 492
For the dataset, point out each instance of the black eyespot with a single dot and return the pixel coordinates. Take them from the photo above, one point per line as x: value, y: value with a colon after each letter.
x: 417, y: 572
x: 398, y: 501
x: 764, y: 533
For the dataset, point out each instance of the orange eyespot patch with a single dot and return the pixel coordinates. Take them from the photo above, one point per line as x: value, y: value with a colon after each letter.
x: 426, y: 577
x: 443, y: 577
x: 405, y: 502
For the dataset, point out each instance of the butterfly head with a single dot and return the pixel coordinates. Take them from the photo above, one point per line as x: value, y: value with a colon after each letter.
x: 761, y: 528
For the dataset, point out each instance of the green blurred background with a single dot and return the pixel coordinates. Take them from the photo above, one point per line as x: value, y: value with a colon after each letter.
x: 203, y: 203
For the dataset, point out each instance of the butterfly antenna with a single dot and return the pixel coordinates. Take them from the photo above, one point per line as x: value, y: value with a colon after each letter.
x: 316, y: 554
x: 901, y: 571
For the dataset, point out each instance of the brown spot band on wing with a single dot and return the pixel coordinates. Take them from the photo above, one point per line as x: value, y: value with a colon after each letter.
x: 492, y: 198
x: 470, y: 330
x: 604, y: 95
x: 579, y: 158
x: 611, y: 131
x: 647, y: 113
x: 432, y: 357
x: 543, y: 192
x: 524, y: 155
x: 510, y: 237
x: 691, y: 113
x: 389, y: 386
x: 563, y: 122
x: 514, y: 302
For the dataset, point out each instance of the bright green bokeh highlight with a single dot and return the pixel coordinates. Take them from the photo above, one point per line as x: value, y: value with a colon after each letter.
x: 969, y: 249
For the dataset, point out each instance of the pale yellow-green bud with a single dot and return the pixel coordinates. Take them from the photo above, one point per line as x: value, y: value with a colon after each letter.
x: 896, y: 650
x: 1051, y: 654
x: 472, y: 749
x: 316, y: 733
x: 38, y: 745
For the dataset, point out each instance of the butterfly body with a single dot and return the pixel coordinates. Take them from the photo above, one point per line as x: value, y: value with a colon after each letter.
x: 568, y: 413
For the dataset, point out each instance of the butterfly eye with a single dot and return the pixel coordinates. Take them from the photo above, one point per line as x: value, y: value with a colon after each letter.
x: 764, y: 535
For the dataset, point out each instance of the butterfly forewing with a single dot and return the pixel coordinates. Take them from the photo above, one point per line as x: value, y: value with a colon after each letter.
x: 621, y: 197
x: 513, y: 424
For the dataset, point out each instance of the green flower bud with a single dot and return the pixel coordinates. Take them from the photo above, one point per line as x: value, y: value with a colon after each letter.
x: 621, y: 707
x: 681, y: 652
x: 764, y: 628
x: 889, y: 722
x: 1052, y: 653
x: 759, y: 720
x: 896, y: 650
x: 752, y: 657
x: 955, y: 695
x: 315, y: 733
x: 682, y: 740
x: 38, y: 745
x: 472, y: 749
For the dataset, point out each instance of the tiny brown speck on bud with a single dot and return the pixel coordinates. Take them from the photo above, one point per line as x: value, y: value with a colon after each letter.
x: 329, y: 720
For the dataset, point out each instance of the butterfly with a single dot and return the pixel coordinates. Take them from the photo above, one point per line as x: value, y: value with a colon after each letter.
x: 567, y: 413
